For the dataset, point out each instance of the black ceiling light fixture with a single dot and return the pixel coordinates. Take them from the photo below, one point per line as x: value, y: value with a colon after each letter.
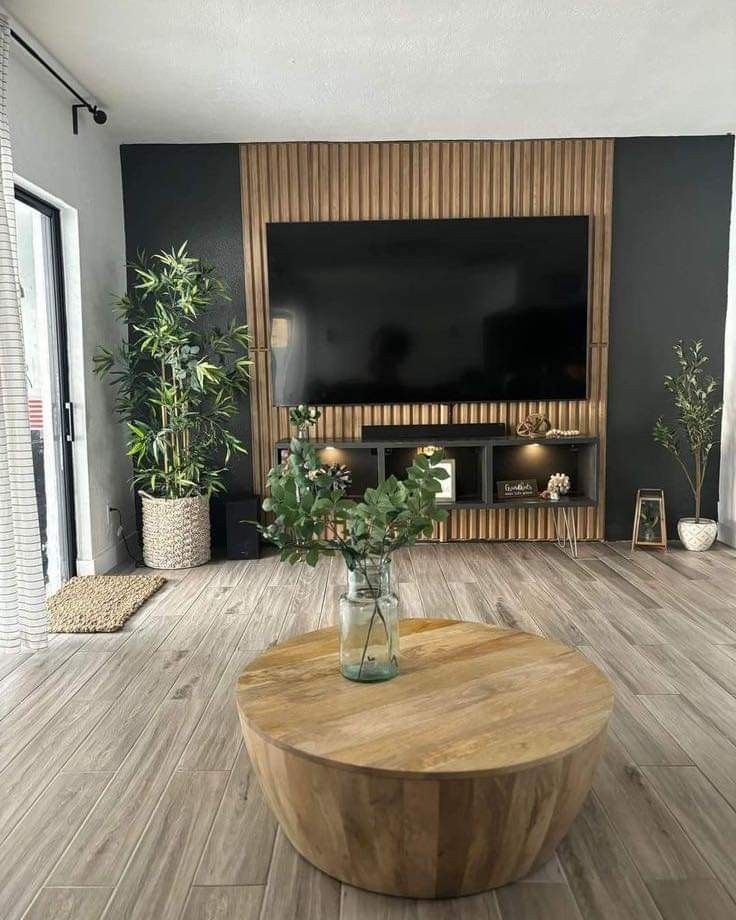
x: 99, y: 115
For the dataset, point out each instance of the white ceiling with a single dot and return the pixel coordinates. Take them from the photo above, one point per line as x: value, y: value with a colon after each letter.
x: 233, y: 70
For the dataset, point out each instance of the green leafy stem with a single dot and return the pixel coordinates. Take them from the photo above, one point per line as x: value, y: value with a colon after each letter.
x: 312, y: 519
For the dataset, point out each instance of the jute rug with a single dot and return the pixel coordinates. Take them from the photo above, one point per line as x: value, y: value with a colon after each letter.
x: 99, y: 603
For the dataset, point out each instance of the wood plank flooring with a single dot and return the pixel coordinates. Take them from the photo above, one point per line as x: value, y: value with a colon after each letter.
x: 126, y: 792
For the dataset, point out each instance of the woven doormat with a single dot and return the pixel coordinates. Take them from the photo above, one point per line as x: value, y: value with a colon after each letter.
x: 99, y: 603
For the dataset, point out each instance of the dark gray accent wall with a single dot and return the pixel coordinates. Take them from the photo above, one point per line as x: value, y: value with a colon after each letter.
x: 671, y: 212
x: 177, y: 192
x: 671, y: 209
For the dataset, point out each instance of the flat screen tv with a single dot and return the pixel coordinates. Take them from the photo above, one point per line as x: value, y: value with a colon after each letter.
x: 428, y: 311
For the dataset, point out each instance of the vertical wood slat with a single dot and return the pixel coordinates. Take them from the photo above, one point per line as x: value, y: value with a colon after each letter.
x: 363, y: 181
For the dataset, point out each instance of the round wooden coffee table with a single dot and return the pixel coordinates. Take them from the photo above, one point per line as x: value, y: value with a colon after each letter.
x: 461, y: 774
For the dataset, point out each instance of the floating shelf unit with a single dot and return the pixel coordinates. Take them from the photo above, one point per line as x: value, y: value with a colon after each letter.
x: 479, y: 465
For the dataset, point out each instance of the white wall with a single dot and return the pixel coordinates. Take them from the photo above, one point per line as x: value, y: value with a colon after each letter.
x: 81, y: 175
x: 727, y: 485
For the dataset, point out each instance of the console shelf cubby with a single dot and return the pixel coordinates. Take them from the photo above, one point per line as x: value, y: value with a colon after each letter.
x: 361, y: 459
x: 469, y: 469
x: 538, y: 459
x: 479, y: 465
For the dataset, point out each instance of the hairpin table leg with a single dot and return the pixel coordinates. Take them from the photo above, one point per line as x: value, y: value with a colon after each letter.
x: 566, y: 532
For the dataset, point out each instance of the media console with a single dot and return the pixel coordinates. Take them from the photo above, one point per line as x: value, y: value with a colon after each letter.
x: 480, y: 463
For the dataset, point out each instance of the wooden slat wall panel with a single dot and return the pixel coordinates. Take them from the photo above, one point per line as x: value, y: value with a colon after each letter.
x: 354, y: 181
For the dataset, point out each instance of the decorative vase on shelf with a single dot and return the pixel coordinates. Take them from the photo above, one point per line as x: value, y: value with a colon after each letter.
x: 303, y: 418
x: 369, y: 624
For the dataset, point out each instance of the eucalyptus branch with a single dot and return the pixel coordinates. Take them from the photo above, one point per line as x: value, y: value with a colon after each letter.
x: 394, y: 514
x: 376, y: 612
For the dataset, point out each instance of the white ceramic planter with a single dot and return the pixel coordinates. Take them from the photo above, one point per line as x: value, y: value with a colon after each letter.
x: 176, y: 531
x: 697, y: 535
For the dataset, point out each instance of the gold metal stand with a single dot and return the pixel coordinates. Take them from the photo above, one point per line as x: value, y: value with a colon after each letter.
x: 651, y: 498
x: 566, y: 531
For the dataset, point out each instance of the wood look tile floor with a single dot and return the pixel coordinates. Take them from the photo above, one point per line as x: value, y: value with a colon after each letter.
x: 125, y: 791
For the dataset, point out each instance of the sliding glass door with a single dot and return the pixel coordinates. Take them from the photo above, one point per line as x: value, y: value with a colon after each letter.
x: 49, y: 408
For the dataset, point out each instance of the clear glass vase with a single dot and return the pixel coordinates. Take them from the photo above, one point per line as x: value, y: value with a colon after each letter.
x: 369, y: 624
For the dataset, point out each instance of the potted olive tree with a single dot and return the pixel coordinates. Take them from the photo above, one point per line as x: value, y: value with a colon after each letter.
x: 177, y: 379
x: 691, y: 437
x: 313, y: 517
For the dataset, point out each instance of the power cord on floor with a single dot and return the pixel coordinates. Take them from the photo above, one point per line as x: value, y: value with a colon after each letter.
x: 137, y: 560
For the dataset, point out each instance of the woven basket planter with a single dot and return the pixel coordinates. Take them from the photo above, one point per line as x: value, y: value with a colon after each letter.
x: 176, y: 531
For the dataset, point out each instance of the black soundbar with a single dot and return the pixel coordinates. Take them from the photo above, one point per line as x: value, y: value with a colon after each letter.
x: 432, y: 433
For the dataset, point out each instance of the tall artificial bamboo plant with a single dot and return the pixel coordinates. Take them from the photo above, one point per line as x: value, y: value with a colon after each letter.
x: 177, y: 376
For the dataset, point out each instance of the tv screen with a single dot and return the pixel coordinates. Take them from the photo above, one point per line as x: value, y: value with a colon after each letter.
x: 427, y: 311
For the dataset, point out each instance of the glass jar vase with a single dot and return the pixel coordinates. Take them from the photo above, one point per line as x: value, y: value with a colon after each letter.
x: 369, y: 623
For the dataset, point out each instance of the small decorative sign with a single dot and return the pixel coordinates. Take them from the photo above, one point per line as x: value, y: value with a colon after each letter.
x: 516, y: 488
x: 447, y: 493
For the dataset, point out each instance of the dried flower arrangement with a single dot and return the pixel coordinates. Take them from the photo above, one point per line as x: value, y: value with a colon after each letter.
x: 303, y: 418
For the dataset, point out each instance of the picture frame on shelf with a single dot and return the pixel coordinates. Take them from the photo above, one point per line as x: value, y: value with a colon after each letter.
x: 447, y: 495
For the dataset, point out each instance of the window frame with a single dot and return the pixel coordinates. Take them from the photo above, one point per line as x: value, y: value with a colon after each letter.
x: 65, y: 415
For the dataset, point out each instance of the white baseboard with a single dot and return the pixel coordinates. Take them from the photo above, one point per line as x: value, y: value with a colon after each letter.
x: 108, y: 558
x: 727, y: 533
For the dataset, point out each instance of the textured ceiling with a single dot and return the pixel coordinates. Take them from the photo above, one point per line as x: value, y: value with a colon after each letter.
x: 223, y: 70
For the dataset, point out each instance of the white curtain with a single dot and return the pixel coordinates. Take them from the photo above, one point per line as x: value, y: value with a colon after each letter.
x: 23, y: 616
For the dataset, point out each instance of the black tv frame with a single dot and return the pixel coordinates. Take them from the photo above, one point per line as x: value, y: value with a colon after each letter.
x: 453, y: 402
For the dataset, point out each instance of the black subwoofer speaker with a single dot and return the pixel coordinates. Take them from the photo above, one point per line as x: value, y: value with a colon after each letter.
x: 243, y: 540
